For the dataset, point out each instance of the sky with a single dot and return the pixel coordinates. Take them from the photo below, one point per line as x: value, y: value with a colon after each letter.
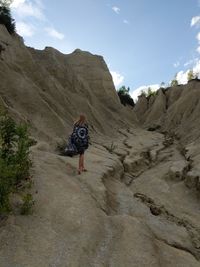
x: 143, y: 42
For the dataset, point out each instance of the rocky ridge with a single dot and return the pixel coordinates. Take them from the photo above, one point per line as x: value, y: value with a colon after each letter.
x: 174, y: 109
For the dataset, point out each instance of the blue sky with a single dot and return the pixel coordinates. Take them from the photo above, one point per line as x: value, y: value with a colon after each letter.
x: 144, y: 42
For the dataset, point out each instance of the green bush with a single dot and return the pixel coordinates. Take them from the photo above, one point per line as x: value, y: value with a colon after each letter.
x: 22, y: 161
x: 14, y: 158
x: 61, y: 145
x: 28, y: 204
x: 7, y: 137
x: 5, y: 16
x: 7, y: 175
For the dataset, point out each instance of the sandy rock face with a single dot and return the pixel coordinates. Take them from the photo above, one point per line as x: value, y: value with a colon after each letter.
x: 157, y: 107
x: 138, y: 203
x: 141, y: 107
x: 50, y: 89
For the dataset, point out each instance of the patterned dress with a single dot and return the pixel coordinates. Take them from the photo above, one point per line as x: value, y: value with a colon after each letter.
x: 80, y: 137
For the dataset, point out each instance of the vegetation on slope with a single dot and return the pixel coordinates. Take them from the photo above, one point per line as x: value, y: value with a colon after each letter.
x: 15, y: 162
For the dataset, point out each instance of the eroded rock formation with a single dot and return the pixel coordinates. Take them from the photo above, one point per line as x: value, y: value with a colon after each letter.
x: 138, y: 204
x: 50, y: 89
x: 173, y: 109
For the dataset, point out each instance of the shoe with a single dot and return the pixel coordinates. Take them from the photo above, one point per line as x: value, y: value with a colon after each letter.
x: 79, y: 172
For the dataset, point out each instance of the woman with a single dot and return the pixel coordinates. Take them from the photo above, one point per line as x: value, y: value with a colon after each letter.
x: 80, y: 138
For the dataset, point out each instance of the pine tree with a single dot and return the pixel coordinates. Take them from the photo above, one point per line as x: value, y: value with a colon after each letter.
x: 5, y: 16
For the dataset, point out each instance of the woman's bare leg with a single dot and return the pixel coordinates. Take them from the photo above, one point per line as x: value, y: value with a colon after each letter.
x: 81, y: 162
x: 83, y: 167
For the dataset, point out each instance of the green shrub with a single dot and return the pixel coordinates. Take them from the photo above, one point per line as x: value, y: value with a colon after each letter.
x: 7, y: 137
x: 7, y: 176
x: 111, y: 148
x: 61, y: 146
x: 22, y: 160
x: 5, y: 16
x: 14, y: 158
x: 28, y: 204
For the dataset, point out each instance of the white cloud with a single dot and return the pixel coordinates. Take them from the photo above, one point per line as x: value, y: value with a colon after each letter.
x: 117, y: 78
x: 25, y: 29
x: 39, y: 3
x: 198, y: 49
x: 190, y: 62
x: 54, y: 33
x: 196, y: 68
x: 125, y: 21
x: 134, y: 94
x: 116, y: 9
x: 176, y: 64
x: 182, y: 77
x: 27, y: 8
x: 195, y: 21
x: 198, y: 37
x: 17, y: 3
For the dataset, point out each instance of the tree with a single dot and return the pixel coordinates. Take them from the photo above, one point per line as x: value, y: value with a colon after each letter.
x: 162, y: 85
x: 150, y: 92
x: 6, y: 3
x: 190, y: 75
x: 124, y: 90
x: 5, y: 16
x: 143, y: 93
x: 174, y: 82
x: 125, y: 97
